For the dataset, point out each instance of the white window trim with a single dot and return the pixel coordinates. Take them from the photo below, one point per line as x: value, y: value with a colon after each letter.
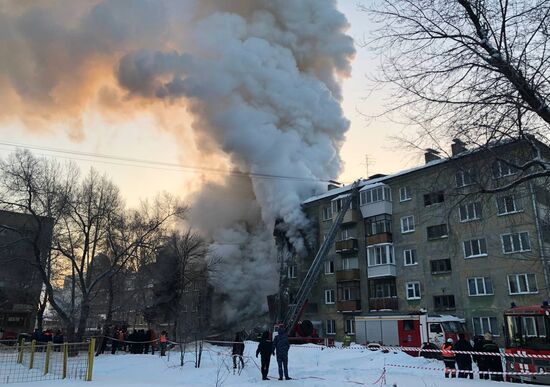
x: 327, y: 272
x: 406, y: 191
x: 328, y: 291
x: 490, y: 326
x: 401, y: 224
x: 476, y: 255
x: 390, y: 254
x: 502, y: 162
x: 477, y: 216
x: 518, y: 293
x: 352, y: 325
x: 333, y: 332
x: 516, y: 251
x: 517, y: 211
x: 484, y: 284
x: 407, y: 290
x: 405, y: 258
x: 292, y: 272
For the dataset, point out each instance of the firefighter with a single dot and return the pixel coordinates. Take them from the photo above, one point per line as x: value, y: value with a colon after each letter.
x: 448, y: 358
x: 463, y: 360
x: 238, y: 351
x: 494, y: 363
x: 265, y: 348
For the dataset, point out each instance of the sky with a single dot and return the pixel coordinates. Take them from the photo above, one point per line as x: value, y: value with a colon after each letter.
x: 136, y: 135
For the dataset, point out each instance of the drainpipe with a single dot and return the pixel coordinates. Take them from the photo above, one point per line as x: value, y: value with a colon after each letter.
x: 539, y: 237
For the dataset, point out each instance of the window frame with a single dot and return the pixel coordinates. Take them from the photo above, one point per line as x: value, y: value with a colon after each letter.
x: 441, y: 271
x: 432, y: 238
x: 519, y: 234
x: 405, y: 193
x: 470, y: 173
x: 412, y: 255
x: 489, y: 324
x: 476, y: 210
x: 510, y: 169
x: 331, y: 265
x: 388, y: 255
x: 292, y: 271
x: 526, y: 276
x: 351, y: 322
x: 485, y: 280
x: 348, y: 266
x: 516, y: 210
x: 415, y: 287
x: 330, y: 327
x: 446, y: 297
x: 402, y: 223
x: 326, y: 210
x: 330, y: 296
x: 479, y: 246
x: 433, y: 198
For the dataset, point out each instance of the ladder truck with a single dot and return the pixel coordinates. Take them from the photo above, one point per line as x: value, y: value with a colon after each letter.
x: 295, y: 310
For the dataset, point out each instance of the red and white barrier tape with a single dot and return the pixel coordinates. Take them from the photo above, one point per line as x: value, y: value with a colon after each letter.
x: 456, y: 371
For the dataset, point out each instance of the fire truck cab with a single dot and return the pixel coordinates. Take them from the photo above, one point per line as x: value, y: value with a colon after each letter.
x: 527, y: 332
x: 407, y: 330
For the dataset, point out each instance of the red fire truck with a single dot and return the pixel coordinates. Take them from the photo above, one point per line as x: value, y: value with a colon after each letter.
x: 527, y: 332
x: 407, y: 330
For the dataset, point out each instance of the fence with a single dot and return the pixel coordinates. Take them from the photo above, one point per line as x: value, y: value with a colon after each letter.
x: 29, y: 362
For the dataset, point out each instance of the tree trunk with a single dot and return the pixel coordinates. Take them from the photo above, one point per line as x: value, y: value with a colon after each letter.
x: 83, y: 319
x: 40, y: 312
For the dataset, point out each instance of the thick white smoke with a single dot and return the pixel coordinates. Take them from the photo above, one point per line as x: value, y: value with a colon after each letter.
x: 261, y: 79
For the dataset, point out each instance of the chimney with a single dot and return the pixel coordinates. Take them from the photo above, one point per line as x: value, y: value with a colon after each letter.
x: 457, y: 147
x: 431, y: 155
x: 333, y: 185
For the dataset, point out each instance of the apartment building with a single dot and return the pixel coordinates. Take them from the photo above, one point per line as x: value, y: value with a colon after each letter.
x: 432, y: 238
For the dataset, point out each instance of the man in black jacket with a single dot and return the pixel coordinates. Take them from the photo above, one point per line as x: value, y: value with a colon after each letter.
x: 463, y: 361
x: 238, y: 351
x: 282, y: 345
x: 265, y: 349
x: 494, y: 363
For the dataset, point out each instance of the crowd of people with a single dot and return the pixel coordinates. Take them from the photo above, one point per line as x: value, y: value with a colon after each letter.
x: 46, y: 336
x: 490, y: 366
x: 139, y: 341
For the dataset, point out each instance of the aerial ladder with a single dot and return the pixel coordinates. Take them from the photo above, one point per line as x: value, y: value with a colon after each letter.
x: 295, y: 310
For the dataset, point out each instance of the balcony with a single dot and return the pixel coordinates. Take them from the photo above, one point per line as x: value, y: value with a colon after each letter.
x: 380, y: 271
x: 351, y: 216
x: 346, y: 245
x: 348, y: 275
x: 348, y: 305
x: 383, y: 303
x: 385, y: 237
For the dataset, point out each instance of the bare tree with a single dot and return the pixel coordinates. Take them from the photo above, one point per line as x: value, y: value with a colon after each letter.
x: 476, y: 70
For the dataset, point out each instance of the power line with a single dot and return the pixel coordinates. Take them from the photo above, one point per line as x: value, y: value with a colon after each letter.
x: 144, y: 163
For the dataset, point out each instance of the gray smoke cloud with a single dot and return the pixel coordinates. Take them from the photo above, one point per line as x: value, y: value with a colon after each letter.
x: 261, y: 79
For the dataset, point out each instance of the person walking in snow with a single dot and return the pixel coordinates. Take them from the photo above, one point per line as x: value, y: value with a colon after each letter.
x: 448, y: 358
x: 281, y: 346
x: 463, y: 360
x: 238, y: 351
x: 265, y: 349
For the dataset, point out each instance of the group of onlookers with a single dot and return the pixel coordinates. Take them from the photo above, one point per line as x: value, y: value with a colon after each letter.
x: 45, y: 336
x: 137, y: 342
x: 490, y: 366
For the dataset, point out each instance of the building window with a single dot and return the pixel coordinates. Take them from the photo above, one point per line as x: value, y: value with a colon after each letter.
x: 502, y: 168
x: 380, y: 255
x: 470, y: 211
x: 437, y: 231
x: 440, y: 266
x: 445, y: 302
x: 374, y: 195
x: 350, y: 326
x: 407, y: 224
x: 382, y: 288
x: 483, y: 325
x: 330, y: 327
x: 480, y: 286
x: 413, y: 290
x: 347, y: 233
x: 349, y: 263
x: 405, y: 194
x: 378, y: 224
x: 329, y: 296
x: 464, y: 178
x: 434, y: 198
x: 475, y: 248
x: 329, y: 267
x: 507, y: 205
x: 522, y: 284
x: 516, y: 242
x: 292, y: 269
x: 327, y: 213
x: 409, y: 257
x: 349, y: 291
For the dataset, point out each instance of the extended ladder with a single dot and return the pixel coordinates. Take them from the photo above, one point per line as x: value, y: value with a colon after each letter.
x: 295, y: 310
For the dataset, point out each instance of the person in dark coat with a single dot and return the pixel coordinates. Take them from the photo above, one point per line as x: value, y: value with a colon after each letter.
x: 480, y: 359
x: 265, y: 349
x: 449, y: 358
x: 238, y: 351
x: 281, y: 345
x: 494, y: 363
x: 463, y: 361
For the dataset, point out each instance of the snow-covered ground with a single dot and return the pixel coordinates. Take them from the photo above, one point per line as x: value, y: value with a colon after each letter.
x: 308, y: 365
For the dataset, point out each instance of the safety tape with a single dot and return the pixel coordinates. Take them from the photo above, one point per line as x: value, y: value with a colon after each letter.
x: 456, y: 371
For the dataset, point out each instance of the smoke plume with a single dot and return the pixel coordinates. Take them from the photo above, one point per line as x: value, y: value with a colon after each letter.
x: 260, y: 78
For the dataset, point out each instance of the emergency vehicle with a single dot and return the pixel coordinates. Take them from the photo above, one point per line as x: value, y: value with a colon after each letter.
x: 527, y: 332
x: 407, y: 330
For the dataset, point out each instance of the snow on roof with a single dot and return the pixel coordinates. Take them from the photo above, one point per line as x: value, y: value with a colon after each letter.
x: 343, y: 196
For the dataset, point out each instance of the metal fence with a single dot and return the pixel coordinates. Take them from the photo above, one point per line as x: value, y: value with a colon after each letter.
x: 29, y: 362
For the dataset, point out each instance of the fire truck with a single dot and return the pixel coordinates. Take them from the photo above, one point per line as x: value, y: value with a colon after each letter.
x: 527, y: 332
x: 407, y: 330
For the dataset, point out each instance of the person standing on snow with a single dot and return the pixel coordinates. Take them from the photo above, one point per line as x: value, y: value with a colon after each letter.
x: 265, y: 348
x: 281, y: 345
x: 238, y: 351
x: 463, y: 360
x: 163, y: 340
x: 448, y: 358
x: 494, y: 362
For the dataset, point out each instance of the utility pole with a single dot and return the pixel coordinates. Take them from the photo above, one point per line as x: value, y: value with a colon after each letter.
x: 368, y: 162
